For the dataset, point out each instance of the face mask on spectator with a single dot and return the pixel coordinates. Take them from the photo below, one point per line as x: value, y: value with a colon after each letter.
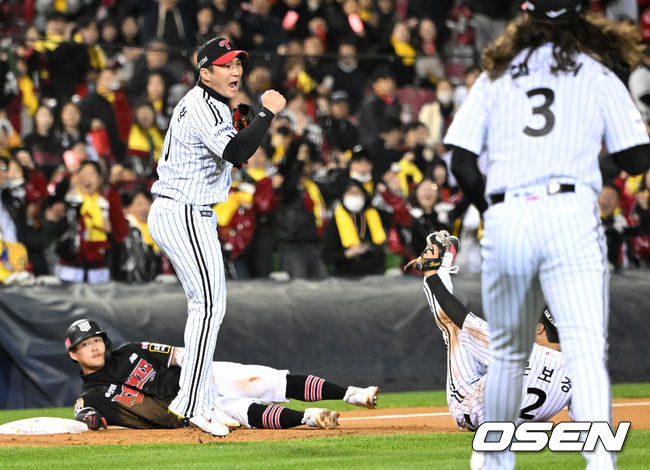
x: 15, y: 182
x: 444, y: 97
x: 362, y: 178
x: 353, y: 203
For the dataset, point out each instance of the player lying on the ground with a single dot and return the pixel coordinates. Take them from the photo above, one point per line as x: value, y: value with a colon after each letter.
x: 546, y: 387
x: 132, y: 386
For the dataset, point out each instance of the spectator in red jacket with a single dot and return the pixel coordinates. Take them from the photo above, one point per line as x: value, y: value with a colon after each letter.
x: 108, y: 105
x: 94, y: 221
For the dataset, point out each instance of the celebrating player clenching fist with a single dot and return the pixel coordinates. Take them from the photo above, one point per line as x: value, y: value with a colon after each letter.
x: 200, y: 148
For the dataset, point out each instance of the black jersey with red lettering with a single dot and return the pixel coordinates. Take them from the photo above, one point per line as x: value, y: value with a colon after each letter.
x: 134, y: 388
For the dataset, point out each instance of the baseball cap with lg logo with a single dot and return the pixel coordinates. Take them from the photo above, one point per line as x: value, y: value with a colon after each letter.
x: 218, y: 51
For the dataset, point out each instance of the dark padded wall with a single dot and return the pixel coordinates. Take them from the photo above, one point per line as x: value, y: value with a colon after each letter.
x: 377, y: 330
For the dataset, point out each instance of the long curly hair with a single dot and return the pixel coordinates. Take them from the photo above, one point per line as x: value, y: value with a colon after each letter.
x: 616, y: 45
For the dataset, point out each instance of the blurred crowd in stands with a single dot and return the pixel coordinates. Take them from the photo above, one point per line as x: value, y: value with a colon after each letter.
x: 350, y: 179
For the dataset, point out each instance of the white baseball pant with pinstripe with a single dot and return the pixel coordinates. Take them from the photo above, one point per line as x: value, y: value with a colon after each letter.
x: 192, y: 178
x: 188, y: 236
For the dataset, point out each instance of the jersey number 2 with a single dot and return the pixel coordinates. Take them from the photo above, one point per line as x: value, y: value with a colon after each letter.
x: 544, y: 110
x: 541, y: 398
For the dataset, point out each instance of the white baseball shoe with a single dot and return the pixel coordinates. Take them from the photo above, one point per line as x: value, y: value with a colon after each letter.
x: 210, y: 425
x: 321, y: 418
x: 365, y: 397
x: 224, y: 418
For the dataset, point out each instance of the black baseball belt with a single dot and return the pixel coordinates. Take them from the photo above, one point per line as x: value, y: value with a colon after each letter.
x: 553, y: 188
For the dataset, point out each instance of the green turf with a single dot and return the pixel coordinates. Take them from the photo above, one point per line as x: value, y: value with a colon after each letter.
x: 636, y: 390
x: 412, y: 451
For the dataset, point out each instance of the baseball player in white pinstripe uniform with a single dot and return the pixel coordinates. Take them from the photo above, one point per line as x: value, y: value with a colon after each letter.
x: 200, y: 149
x: 546, y: 386
x: 542, y: 109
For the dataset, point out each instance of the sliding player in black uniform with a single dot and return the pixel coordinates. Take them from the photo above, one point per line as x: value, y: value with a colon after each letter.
x: 133, y: 385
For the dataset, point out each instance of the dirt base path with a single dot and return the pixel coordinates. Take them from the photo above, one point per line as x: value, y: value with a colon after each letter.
x: 352, y: 423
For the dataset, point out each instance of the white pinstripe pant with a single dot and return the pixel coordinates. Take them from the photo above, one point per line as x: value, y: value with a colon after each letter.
x: 540, y: 247
x: 187, y: 235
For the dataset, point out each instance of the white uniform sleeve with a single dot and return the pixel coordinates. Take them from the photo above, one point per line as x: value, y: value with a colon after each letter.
x: 214, y: 126
x: 468, y: 130
x: 624, y: 127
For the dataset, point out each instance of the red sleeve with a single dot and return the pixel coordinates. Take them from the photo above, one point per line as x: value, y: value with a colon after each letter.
x: 401, y: 214
x: 101, y: 144
x: 264, y: 199
x: 119, y: 224
x: 122, y: 115
x: 239, y: 232
x: 36, y: 187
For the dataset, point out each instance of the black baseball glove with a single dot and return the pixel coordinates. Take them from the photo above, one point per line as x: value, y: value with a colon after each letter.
x: 242, y: 116
x: 94, y: 421
x: 442, y: 240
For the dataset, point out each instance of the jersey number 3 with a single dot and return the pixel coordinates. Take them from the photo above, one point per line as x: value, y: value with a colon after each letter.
x: 544, y: 110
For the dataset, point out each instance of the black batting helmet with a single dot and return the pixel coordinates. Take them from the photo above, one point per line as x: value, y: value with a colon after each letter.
x: 550, y: 326
x: 84, y: 329
x: 553, y: 10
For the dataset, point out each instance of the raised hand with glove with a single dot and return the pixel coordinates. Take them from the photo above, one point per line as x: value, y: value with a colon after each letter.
x: 431, y: 257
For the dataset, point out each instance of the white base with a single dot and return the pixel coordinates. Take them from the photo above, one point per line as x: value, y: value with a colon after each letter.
x: 43, y: 425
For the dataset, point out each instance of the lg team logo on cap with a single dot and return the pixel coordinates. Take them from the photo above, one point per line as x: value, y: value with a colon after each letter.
x: 84, y: 326
x: 225, y: 44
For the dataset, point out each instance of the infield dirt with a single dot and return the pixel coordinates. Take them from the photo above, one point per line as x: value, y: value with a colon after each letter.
x: 361, y: 422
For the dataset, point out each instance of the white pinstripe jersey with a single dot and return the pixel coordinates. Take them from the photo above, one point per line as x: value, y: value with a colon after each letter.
x: 540, y: 127
x: 190, y: 169
x: 546, y: 388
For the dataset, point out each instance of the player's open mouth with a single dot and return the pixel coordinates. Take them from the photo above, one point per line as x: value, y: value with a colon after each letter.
x: 233, y: 85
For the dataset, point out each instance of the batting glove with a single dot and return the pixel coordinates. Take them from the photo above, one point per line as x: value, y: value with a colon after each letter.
x: 95, y: 421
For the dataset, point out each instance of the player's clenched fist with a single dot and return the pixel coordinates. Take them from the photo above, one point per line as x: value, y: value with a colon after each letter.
x: 94, y: 421
x: 273, y: 101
